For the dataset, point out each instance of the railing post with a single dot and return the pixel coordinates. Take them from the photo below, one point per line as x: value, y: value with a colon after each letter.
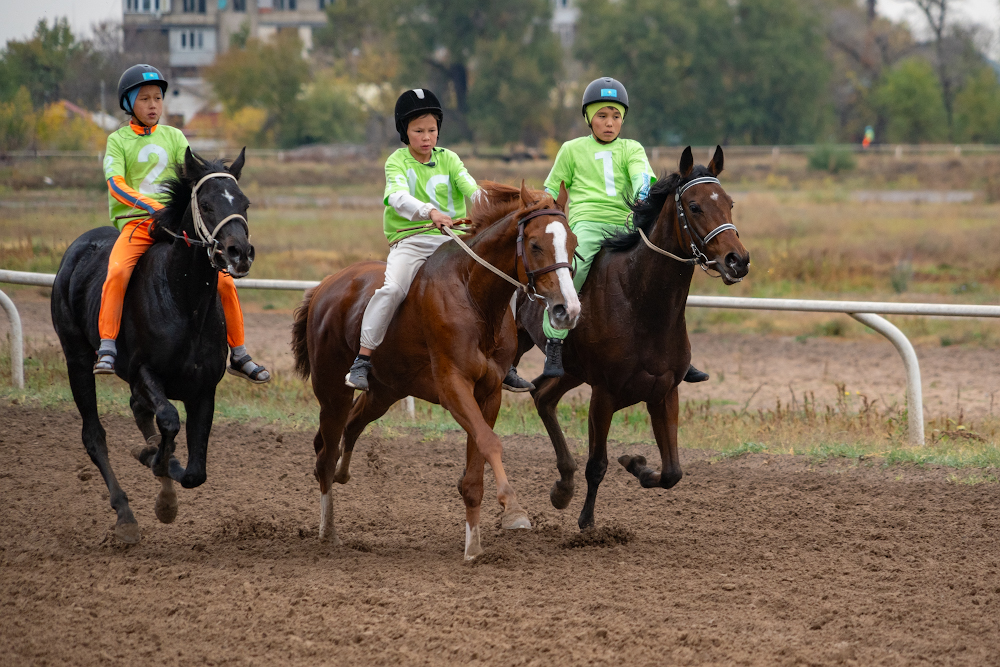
x: 914, y: 393
x: 17, y: 342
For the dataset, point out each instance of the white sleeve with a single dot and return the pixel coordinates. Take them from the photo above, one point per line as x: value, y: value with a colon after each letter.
x: 409, y: 206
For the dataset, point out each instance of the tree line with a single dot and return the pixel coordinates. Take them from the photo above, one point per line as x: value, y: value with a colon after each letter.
x: 712, y: 71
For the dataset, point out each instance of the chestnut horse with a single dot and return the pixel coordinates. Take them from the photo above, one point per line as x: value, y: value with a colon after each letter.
x: 631, y: 342
x: 451, y: 341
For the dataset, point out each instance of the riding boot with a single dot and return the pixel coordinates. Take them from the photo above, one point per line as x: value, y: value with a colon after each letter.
x: 515, y: 383
x: 553, y: 358
x: 694, y: 375
x: 358, y: 377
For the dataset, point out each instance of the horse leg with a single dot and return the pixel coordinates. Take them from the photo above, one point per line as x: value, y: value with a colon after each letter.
x: 471, y: 488
x: 332, y: 417
x: 598, y: 425
x: 148, y: 390
x: 370, y: 406
x: 166, y: 501
x: 663, y: 417
x: 81, y: 381
x: 546, y: 395
x: 457, y: 396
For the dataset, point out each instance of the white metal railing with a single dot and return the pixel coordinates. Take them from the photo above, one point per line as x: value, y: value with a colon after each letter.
x: 866, y: 312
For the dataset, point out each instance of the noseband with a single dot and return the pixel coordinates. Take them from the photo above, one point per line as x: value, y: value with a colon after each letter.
x: 206, y: 237
x: 697, y: 243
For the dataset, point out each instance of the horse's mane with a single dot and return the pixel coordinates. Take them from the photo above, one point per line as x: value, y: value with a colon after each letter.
x: 178, y: 189
x: 646, y: 211
x: 498, y: 200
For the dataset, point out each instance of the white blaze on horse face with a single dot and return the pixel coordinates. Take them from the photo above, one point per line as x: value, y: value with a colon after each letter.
x: 570, y: 299
x: 715, y: 196
x: 225, y: 193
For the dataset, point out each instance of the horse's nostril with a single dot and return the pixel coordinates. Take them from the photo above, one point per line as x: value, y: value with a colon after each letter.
x: 559, y: 310
x: 233, y: 252
x: 251, y: 254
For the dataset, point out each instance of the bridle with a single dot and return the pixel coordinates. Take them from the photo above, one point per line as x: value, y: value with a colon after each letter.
x: 206, y: 237
x: 697, y: 243
x: 529, y: 288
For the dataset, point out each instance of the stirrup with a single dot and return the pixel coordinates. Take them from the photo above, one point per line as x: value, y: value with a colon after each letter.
x: 236, y: 368
x: 105, y: 364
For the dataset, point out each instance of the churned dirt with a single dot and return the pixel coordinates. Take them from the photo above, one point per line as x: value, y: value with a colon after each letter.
x: 761, y: 560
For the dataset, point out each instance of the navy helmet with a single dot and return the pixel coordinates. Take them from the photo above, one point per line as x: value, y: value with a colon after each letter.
x: 136, y: 77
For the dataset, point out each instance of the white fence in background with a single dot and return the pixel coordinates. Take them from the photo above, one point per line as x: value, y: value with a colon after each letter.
x: 866, y: 312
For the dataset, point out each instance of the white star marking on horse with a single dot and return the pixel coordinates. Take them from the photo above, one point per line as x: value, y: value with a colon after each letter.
x: 715, y: 196
x: 225, y: 193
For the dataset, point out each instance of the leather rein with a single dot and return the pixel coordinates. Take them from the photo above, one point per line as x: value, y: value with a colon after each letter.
x: 697, y: 243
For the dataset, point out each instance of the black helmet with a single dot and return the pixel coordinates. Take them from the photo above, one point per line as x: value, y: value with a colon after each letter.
x: 605, y: 89
x: 136, y: 76
x: 416, y: 102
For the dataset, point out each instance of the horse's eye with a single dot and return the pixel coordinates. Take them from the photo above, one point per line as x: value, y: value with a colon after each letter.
x: 535, y: 248
x: 695, y: 208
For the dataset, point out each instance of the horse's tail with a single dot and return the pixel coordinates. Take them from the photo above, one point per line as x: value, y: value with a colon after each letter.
x: 300, y: 347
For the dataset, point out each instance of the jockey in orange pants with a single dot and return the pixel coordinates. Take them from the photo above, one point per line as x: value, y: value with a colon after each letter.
x: 138, y: 159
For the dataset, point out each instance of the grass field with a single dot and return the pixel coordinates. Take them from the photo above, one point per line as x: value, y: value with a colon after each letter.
x: 807, y: 234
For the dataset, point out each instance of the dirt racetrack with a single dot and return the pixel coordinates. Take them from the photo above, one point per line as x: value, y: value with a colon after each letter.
x: 761, y: 560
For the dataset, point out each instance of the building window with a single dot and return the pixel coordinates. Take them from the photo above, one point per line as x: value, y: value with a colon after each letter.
x: 239, y: 5
x: 291, y: 5
x: 191, y: 6
x: 184, y: 40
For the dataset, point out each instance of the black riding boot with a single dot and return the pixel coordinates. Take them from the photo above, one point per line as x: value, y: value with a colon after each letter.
x: 515, y: 383
x: 694, y: 375
x: 553, y: 358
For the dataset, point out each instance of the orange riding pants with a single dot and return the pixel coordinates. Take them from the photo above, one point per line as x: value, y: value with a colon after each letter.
x: 133, y: 241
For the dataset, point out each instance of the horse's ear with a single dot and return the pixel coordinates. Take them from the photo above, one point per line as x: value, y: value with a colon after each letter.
x: 687, y: 163
x: 563, y: 196
x: 715, y: 166
x: 237, y: 166
x: 192, y: 164
x: 525, y: 195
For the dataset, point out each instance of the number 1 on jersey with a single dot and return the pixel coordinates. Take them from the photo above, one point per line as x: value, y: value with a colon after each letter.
x: 609, y: 172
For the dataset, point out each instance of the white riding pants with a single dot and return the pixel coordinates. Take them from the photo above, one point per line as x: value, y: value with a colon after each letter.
x: 404, y: 260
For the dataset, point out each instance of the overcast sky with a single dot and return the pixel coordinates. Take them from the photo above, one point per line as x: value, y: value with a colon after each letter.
x: 18, y: 17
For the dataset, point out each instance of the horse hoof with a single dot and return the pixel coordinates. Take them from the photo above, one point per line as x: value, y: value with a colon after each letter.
x: 634, y: 464
x: 516, y: 521
x: 332, y: 540
x: 342, y: 478
x: 166, y: 503
x: 128, y: 533
x: 560, y: 495
x: 144, y: 453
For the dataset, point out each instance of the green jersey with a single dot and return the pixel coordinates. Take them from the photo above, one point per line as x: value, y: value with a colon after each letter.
x: 435, y: 185
x: 137, y: 162
x: 597, y: 176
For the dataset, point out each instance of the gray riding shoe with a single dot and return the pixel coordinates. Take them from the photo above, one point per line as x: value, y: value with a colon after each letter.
x: 553, y: 359
x: 694, y: 375
x: 515, y: 383
x: 358, y: 377
x: 105, y: 364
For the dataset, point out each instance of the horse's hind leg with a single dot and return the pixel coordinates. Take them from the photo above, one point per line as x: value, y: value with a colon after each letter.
x: 663, y: 417
x: 599, y: 423
x: 166, y: 501
x: 370, y: 406
x: 546, y: 395
x: 81, y: 382
x: 332, y: 417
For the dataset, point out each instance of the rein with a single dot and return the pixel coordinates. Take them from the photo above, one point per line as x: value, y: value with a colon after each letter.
x: 700, y: 258
x: 529, y: 289
x: 206, y: 237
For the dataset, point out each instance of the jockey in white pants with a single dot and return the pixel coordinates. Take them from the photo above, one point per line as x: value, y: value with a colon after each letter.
x: 421, y: 180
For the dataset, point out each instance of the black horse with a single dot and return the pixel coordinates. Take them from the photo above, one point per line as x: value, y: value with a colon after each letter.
x: 631, y: 342
x: 172, y: 344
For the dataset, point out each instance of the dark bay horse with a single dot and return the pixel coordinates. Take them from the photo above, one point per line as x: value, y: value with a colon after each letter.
x: 451, y: 341
x: 631, y: 342
x: 172, y: 344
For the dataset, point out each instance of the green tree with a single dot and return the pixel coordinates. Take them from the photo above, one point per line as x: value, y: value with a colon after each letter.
x: 977, y: 108
x: 440, y: 43
x: 41, y: 64
x: 910, y: 96
x: 17, y: 122
x: 714, y: 71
